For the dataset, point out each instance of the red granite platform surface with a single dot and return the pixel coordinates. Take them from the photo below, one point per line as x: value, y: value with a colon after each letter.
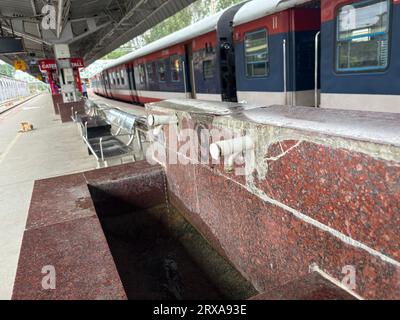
x: 309, y: 287
x: 56, y: 98
x: 329, y: 196
x: 63, y: 231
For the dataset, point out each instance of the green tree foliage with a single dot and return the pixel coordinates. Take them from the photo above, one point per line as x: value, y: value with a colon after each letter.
x: 191, y: 14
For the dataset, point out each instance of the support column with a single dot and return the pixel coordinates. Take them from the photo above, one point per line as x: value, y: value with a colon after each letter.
x: 72, y: 102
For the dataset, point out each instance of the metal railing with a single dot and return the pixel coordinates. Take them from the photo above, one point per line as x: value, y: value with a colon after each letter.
x: 11, y: 89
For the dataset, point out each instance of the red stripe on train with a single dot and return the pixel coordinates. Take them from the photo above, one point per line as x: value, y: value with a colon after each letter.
x: 330, y: 7
x: 304, y: 19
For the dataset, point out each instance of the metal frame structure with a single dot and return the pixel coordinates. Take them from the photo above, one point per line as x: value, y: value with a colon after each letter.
x: 92, y: 28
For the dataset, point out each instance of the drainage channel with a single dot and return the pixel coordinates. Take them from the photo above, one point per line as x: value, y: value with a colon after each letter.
x: 160, y: 256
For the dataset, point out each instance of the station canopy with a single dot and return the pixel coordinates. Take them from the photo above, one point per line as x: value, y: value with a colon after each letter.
x: 91, y: 28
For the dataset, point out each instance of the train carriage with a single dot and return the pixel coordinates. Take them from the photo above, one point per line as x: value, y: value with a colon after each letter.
x: 330, y: 53
x: 360, y: 66
x: 195, y: 62
x: 275, y: 51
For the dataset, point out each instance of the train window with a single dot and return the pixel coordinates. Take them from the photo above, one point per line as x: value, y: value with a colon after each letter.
x: 123, y: 77
x: 362, y: 36
x: 175, y: 68
x: 142, y: 75
x: 256, y: 53
x: 162, y: 75
x: 150, y: 71
x: 208, y: 69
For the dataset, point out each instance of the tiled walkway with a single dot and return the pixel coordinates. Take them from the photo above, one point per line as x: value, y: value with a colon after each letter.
x: 52, y: 149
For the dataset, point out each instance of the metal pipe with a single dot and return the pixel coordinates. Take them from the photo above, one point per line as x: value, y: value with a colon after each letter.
x: 316, y: 65
x: 157, y: 120
x: 59, y: 17
x: 91, y: 148
x: 101, y: 149
x: 230, y: 147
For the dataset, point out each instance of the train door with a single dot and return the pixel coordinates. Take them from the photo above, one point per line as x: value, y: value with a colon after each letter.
x: 190, y: 79
x: 132, y: 83
x: 301, y: 56
x: 107, y: 84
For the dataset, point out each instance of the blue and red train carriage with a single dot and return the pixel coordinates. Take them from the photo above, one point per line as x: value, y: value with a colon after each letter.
x: 328, y: 53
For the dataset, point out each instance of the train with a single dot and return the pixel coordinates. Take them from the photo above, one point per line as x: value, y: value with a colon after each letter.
x: 336, y: 54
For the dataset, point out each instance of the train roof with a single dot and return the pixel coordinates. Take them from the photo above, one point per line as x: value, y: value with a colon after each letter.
x: 256, y: 9
x: 251, y: 10
x: 197, y: 29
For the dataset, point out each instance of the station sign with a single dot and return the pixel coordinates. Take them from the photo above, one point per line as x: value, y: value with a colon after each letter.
x: 77, y: 63
x: 47, y: 65
x: 51, y: 64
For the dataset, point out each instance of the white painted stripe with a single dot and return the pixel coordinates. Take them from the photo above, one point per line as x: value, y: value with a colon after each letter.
x: 209, y: 97
x: 363, y: 102
x: 300, y: 98
x: 165, y: 95
x: 322, y: 273
x: 9, y: 147
x: 346, y: 239
x: 162, y: 95
x: 121, y: 91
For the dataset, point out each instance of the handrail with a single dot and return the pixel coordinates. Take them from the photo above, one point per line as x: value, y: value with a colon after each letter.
x: 316, y: 65
x: 184, y: 76
x: 284, y: 70
x: 91, y: 148
x: 101, y: 148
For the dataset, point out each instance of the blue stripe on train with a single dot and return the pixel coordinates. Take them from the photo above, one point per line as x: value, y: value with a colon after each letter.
x: 379, y: 82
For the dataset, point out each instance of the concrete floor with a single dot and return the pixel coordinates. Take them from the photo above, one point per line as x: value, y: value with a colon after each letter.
x: 52, y: 149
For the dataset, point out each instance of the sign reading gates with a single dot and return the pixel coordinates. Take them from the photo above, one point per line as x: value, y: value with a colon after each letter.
x: 50, y: 65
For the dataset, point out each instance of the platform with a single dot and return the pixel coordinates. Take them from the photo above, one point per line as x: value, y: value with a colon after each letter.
x: 51, y: 149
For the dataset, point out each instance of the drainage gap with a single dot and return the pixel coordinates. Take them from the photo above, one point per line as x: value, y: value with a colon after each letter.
x: 160, y: 256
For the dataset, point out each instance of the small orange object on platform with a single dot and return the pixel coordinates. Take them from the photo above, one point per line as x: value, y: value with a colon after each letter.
x: 26, y: 127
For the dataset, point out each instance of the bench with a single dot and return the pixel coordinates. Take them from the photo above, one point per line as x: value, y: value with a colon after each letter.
x: 111, y: 146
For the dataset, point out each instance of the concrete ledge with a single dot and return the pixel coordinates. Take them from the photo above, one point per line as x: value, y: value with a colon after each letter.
x: 57, y: 98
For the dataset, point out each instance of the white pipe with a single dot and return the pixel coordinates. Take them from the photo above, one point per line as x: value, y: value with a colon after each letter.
x: 230, y: 147
x: 156, y: 120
